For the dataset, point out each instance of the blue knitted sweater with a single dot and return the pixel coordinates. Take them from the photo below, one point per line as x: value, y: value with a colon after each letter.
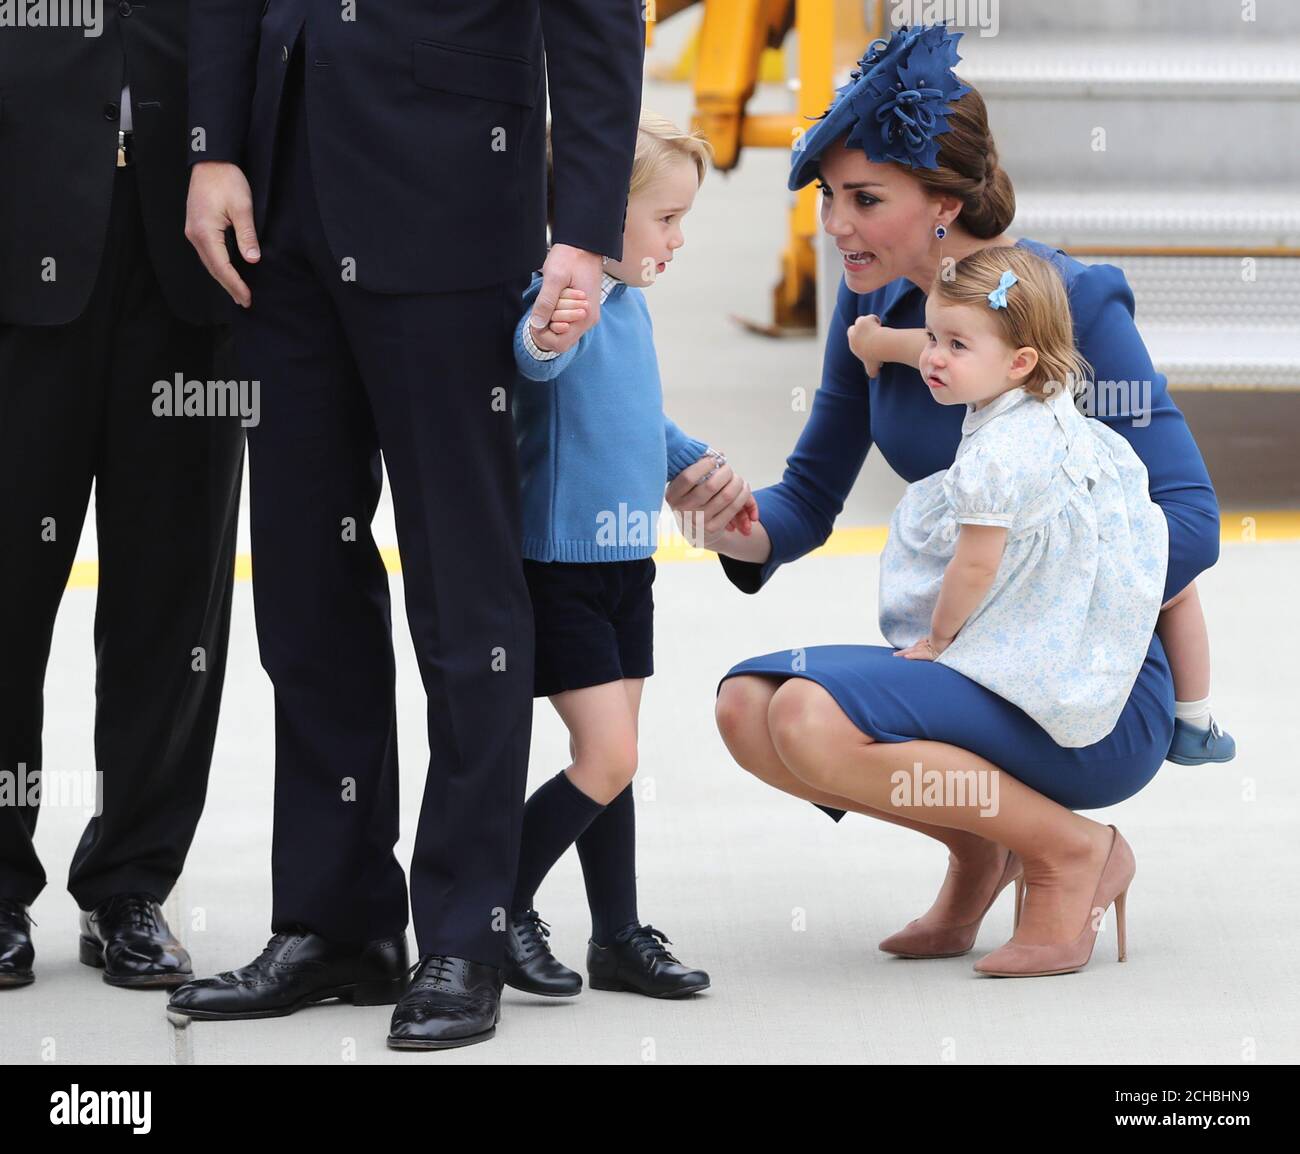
x: 595, y: 448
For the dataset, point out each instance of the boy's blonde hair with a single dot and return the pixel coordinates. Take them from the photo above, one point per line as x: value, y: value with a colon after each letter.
x: 1037, y: 313
x: 658, y: 142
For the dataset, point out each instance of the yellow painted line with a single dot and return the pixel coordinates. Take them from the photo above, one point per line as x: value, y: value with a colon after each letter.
x: 1234, y: 528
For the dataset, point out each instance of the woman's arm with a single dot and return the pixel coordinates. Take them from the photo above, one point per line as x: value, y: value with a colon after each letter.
x: 1131, y: 397
x: 796, y: 515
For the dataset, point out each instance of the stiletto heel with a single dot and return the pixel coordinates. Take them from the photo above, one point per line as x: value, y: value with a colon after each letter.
x: 918, y: 940
x: 1024, y: 961
x: 1119, y: 924
x: 1020, y: 902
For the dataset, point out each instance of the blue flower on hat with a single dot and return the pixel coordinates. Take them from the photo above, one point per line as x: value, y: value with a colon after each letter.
x: 902, y: 104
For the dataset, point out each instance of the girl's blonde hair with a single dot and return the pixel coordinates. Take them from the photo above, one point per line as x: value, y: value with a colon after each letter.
x: 1037, y: 312
x: 658, y: 143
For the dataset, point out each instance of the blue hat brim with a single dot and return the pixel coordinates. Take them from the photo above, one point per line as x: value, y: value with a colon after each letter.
x: 805, y: 157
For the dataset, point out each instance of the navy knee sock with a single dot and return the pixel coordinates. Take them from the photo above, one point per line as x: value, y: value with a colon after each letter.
x: 607, y: 850
x: 554, y: 817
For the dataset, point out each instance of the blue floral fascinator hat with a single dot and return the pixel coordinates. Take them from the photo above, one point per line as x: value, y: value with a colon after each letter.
x: 894, y: 105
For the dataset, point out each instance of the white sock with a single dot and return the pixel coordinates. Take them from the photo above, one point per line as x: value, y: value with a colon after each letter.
x: 1195, y: 713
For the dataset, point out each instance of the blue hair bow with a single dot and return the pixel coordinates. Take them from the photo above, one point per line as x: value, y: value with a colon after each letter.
x: 998, y: 297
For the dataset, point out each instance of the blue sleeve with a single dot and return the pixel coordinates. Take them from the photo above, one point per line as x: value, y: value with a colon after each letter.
x: 528, y: 364
x: 683, y: 451
x: 1102, y: 306
x: 800, y: 510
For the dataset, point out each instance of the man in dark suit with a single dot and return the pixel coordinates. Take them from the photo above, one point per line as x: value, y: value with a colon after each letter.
x: 100, y: 300
x: 383, y: 171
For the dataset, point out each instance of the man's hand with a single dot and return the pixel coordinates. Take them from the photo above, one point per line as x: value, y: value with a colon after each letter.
x: 220, y: 199
x: 565, y: 267
x: 571, y: 310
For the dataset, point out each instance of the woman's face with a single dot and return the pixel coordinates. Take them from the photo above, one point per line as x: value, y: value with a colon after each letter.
x: 879, y: 216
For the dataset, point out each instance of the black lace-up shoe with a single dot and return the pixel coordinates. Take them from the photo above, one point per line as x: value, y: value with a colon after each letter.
x: 296, y: 969
x: 450, y: 1002
x: 16, y: 953
x: 637, y: 961
x: 530, y: 965
x: 128, y: 938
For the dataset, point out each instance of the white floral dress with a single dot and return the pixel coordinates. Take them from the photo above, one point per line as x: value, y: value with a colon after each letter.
x: 1064, y: 629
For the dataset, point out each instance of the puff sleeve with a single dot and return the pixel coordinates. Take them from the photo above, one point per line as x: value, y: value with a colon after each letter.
x: 981, y: 489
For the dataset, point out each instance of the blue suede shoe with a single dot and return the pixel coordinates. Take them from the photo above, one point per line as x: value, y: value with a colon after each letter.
x: 1192, y: 746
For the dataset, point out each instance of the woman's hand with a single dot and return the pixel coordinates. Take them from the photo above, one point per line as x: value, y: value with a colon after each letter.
x: 710, y: 501
x: 864, y: 340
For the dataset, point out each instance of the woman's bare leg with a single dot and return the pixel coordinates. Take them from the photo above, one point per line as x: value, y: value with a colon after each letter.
x: 1063, y: 852
x: 974, y: 861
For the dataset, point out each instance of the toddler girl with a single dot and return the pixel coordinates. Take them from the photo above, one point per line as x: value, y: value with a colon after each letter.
x: 1035, y: 563
x: 1180, y: 625
x: 595, y: 453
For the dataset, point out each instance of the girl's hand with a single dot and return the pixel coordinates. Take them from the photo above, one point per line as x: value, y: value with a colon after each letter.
x: 570, y: 309
x: 864, y: 340
x: 927, y: 649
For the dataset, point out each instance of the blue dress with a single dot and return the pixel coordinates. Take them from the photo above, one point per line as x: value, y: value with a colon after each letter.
x: 894, y: 699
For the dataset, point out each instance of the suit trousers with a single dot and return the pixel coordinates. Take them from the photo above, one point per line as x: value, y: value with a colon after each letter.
x: 425, y: 382
x: 78, y: 404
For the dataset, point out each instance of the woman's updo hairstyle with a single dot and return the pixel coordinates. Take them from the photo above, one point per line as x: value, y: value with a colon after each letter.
x: 968, y: 169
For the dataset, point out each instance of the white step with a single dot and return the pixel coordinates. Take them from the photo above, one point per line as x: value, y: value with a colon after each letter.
x: 1163, y: 109
x: 1225, y: 18
x: 1110, y: 66
x: 1252, y: 216
x: 1225, y: 357
x: 1212, y: 290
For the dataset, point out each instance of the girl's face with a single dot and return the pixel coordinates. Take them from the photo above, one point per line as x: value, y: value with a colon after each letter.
x: 880, y: 217
x: 654, y: 224
x: 965, y: 359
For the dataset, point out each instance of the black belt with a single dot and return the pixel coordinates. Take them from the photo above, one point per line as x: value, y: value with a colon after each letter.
x: 125, y: 148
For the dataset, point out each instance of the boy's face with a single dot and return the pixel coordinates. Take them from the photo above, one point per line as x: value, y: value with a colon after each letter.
x: 966, y: 360
x: 654, y: 224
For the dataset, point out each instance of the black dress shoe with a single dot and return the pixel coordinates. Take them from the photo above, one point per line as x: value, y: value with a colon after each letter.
x: 297, y: 968
x: 16, y: 953
x: 450, y: 1002
x: 128, y: 938
x: 530, y: 966
x: 636, y: 960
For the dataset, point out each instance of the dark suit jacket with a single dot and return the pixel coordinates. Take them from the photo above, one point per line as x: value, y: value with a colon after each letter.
x: 59, y: 94
x: 427, y: 125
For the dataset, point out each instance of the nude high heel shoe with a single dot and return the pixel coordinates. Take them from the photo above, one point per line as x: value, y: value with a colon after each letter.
x: 1017, y: 961
x: 918, y: 940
